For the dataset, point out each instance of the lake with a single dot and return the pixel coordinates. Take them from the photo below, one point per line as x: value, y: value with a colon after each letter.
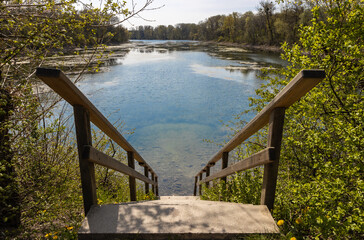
x: 173, y: 95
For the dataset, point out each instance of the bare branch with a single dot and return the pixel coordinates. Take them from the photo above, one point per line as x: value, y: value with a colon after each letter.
x: 134, y: 13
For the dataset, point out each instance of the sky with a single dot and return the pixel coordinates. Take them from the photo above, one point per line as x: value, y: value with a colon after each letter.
x: 188, y: 11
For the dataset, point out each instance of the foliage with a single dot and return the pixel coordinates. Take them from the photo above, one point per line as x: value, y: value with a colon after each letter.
x: 48, y: 180
x: 9, y: 211
x: 320, y: 184
x: 50, y: 185
x: 240, y: 188
x: 42, y: 151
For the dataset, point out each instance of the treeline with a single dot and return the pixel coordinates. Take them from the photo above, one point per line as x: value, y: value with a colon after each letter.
x: 266, y: 27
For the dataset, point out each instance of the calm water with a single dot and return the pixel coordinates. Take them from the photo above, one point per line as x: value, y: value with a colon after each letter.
x: 174, y: 95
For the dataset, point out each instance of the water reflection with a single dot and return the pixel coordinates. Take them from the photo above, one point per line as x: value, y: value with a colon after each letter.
x: 142, y: 56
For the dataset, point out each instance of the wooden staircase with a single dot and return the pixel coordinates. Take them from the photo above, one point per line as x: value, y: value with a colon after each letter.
x: 173, y: 217
x: 176, y: 217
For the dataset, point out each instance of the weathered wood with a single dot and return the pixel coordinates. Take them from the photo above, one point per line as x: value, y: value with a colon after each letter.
x: 146, y: 174
x: 153, y: 186
x: 60, y: 83
x: 87, y: 169
x: 225, y: 163
x: 178, y: 217
x: 156, y: 186
x: 132, y: 183
x: 263, y: 157
x: 303, y: 82
x: 200, y: 186
x: 195, y: 187
x: 96, y: 156
x: 276, y: 122
x: 207, y: 175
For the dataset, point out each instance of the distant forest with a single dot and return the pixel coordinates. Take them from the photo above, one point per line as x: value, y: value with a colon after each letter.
x: 266, y: 27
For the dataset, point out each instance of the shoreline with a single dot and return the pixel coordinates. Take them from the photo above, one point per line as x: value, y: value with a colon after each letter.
x: 73, y: 64
x: 259, y: 48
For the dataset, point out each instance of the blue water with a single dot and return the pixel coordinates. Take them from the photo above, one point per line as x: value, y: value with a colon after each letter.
x: 173, y: 100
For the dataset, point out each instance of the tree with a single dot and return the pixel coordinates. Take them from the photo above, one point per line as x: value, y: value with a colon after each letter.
x: 321, y: 172
x: 9, y: 200
x: 213, y: 27
x: 170, y: 32
x: 288, y: 21
x: 31, y: 32
x: 253, y: 27
x: 267, y: 8
x: 229, y: 27
x: 320, y: 181
x: 161, y: 32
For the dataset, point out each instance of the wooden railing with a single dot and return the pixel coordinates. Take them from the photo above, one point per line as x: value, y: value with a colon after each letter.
x: 273, y: 114
x: 84, y: 112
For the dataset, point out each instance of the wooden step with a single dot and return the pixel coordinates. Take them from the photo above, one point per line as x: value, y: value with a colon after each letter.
x: 174, y: 217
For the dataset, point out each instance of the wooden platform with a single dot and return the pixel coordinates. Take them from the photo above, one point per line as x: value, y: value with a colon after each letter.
x: 176, y: 217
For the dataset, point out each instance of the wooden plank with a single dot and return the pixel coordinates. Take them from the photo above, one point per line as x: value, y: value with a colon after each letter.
x: 263, y: 157
x: 302, y: 83
x: 60, y: 83
x: 96, y: 156
x: 132, y: 183
x: 87, y: 169
x: 276, y: 122
x: 177, y: 218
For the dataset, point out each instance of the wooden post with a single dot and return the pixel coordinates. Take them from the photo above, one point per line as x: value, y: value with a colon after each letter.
x: 208, y: 174
x: 225, y: 162
x: 200, y: 186
x: 276, y: 121
x: 156, y: 187
x: 87, y: 169
x: 132, y: 184
x: 146, y: 173
x: 153, y: 186
x: 195, y: 187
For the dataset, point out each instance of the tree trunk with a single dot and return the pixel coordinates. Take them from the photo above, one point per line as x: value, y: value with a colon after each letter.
x: 9, y: 196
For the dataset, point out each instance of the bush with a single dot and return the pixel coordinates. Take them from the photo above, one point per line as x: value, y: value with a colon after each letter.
x: 320, y: 184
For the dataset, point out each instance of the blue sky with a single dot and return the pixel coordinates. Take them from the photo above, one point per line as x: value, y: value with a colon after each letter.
x: 189, y: 11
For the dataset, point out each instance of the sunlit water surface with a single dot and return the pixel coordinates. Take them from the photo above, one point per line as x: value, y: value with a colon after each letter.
x: 174, y: 100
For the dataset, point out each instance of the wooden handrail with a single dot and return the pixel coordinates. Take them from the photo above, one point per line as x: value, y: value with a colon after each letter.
x: 302, y: 83
x: 273, y: 114
x: 96, y: 156
x: 260, y: 158
x: 84, y: 113
x: 60, y: 83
